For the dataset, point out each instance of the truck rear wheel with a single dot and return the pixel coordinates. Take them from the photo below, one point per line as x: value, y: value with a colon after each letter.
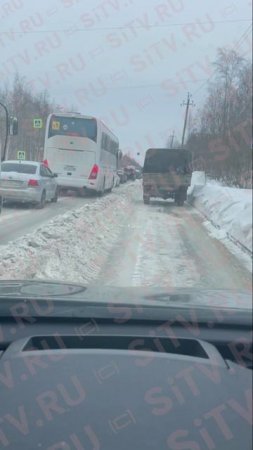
x: 180, y: 198
x: 180, y: 202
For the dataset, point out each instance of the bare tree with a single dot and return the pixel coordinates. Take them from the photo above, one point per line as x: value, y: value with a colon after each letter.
x: 27, y: 106
x: 222, y: 142
x: 228, y: 67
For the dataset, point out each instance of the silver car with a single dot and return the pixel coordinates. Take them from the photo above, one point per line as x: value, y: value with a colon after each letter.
x: 28, y: 182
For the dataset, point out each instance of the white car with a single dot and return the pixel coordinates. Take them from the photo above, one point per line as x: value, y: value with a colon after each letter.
x: 28, y: 182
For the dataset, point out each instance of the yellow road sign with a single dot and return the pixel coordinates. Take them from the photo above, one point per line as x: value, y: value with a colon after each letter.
x: 55, y: 125
x: 37, y: 123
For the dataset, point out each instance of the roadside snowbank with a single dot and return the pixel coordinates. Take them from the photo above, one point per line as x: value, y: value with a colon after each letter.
x: 71, y: 247
x: 229, y: 209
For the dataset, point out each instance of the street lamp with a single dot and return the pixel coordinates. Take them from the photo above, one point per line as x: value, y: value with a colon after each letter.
x: 6, y: 130
x: 11, y: 129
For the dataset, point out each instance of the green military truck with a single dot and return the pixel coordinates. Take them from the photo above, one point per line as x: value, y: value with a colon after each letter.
x: 166, y: 174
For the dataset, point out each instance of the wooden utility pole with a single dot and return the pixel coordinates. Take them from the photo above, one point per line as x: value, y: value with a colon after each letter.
x: 188, y: 103
x: 172, y: 139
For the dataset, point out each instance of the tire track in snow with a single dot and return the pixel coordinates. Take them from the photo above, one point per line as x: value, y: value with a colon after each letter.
x: 161, y: 257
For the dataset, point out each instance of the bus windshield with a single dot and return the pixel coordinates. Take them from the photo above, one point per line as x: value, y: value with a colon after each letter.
x: 72, y: 126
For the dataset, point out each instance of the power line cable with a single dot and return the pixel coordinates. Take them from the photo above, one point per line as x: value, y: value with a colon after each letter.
x: 235, y: 47
x: 124, y: 27
x: 243, y: 37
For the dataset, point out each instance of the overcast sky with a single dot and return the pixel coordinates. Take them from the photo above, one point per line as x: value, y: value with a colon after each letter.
x: 130, y: 62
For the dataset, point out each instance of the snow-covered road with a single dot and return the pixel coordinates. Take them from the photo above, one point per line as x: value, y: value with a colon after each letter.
x: 117, y: 240
x: 167, y: 246
x: 17, y: 220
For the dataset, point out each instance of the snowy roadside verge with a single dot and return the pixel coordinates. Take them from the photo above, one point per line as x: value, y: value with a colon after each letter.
x: 228, y: 209
x: 70, y: 247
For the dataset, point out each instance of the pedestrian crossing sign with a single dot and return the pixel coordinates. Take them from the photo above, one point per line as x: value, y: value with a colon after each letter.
x: 21, y: 155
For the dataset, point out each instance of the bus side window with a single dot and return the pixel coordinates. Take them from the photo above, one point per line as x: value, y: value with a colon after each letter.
x: 109, y: 144
x: 106, y: 142
x: 103, y: 141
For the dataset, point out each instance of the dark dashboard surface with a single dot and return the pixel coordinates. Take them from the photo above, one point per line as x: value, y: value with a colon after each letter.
x: 120, y: 376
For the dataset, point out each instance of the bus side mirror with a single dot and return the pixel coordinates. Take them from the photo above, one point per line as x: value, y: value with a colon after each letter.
x: 13, y: 126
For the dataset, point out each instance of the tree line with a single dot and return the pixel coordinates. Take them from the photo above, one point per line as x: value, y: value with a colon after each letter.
x: 220, y: 137
x: 26, y: 106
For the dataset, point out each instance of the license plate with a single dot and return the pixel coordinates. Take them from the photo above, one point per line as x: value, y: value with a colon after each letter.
x: 10, y: 184
x: 70, y: 168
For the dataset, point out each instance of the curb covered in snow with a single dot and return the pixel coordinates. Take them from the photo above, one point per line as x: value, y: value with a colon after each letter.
x: 228, y: 209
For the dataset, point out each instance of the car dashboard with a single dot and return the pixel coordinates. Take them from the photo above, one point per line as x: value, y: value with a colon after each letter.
x: 120, y: 376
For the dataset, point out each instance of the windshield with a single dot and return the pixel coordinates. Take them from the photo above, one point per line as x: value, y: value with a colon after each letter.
x: 19, y: 168
x: 69, y: 126
x: 139, y: 114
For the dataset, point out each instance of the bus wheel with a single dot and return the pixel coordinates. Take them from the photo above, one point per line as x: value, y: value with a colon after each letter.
x: 55, y: 197
x: 111, y: 188
x: 81, y: 192
x: 101, y: 193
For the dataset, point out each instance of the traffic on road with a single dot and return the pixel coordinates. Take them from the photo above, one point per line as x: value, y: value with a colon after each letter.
x: 80, y: 154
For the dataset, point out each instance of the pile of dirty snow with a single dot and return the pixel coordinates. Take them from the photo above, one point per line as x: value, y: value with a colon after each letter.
x: 70, y: 247
x: 229, y: 209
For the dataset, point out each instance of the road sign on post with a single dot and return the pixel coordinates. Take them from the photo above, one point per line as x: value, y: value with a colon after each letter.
x: 21, y: 155
x: 37, y: 123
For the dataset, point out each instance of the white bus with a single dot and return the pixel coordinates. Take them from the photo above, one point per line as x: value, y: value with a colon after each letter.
x: 82, y: 151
